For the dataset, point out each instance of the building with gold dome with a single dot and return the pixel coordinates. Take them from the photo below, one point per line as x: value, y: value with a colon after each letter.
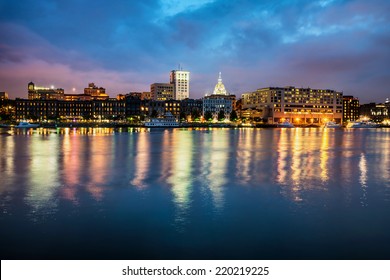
x: 220, y: 100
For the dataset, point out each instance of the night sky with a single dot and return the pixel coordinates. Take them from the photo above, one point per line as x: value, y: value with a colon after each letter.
x: 127, y: 45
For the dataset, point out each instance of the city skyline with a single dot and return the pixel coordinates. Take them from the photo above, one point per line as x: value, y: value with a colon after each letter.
x: 340, y: 45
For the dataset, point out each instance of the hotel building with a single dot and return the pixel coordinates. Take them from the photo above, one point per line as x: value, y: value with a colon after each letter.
x: 181, y: 84
x: 297, y: 105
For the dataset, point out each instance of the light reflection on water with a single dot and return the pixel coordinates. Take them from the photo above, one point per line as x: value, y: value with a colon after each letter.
x: 194, y: 180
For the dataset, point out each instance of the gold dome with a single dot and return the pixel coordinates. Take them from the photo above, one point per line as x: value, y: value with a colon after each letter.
x: 219, y: 87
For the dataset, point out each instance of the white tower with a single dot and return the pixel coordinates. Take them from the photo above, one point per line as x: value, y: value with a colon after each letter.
x: 181, y: 84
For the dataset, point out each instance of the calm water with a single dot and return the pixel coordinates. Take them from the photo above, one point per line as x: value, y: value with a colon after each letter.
x: 195, y: 194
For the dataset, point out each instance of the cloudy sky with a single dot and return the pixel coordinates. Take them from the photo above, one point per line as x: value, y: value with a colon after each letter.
x: 127, y: 45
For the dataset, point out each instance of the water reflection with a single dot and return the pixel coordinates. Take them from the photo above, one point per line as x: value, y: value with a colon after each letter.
x: 71, y: 166
x: 363, y: 178
x: 215, y: 157
x: 324, y: 155
x: 99, y: 161
x: 45, y: 166
x: 302, y: 161
x: 142, y: 161
x: 181, y: 176
x: 43, y: 172
x: 245, y: 154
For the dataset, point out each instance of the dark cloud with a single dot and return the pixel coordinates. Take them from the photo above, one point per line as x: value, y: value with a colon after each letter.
x: 333, y: 44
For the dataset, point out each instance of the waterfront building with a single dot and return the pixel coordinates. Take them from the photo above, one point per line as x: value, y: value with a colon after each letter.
x: 36, y: 109
x: 3, y: 95
x: 172, y: 106
x: 44, y: 93
x: 350, y: 108
x: 161, y: 91
x: 375, y: 112
x: 192, y: 108
x: 111, y: 109
x: 135, y: 106
x: 219, y: 101
x: 297, y: 105
x: 69, y: 110
x: 181, y: 84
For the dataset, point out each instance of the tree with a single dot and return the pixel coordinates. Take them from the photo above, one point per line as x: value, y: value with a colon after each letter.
x: 183, y: 116
x: 208, y: 116
x: 195, y: 114
x: 233, y: 116
x: 221, y: 115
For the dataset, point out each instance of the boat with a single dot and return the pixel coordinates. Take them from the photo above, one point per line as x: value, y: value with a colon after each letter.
x: 332, y: 125
x: 168, y: 120
x: 286, y: 124
x: 26, y: 125
x: 362, y: 124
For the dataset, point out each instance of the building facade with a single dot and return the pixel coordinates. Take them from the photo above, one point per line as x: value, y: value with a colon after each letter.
x: 161, y: 91
x: 297, y: 105
x: 43, y: 93
x: 42, y: 110
x: 219, y: 101
x: 375, y: 112
x: 192, y: 108
x: 350, y: 108
x: 181, y: 84
x: 96, y: 93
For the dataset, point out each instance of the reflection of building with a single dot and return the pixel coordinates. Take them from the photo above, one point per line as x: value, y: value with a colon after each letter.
x: 181, y: 84
x: 298, y: 105
x: 42, y: 93
x: 161, y: 91
x: 350, y: 108
x: 220, y: 100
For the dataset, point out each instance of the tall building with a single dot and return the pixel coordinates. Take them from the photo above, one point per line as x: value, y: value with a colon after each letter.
x: 181, y: 84
x: 161, y: 91
x: 43, y: 93
x: 297, y: 105
x: 350, y: 108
